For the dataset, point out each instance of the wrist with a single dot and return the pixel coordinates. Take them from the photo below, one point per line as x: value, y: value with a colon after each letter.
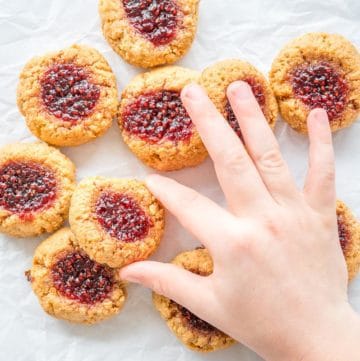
x: 333, y: 337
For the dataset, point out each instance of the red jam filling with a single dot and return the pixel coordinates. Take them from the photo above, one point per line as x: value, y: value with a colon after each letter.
x: 121, y: 217
x: 156, y: 20
x: 191, y: 319
x: 258, y: 91
x: 194, y: 321
x: 67, y: 92
x: 320, y: 85
x: 155, y: 116
x: 343, y: 231
x: 79, y: 278
x: 26, y: 187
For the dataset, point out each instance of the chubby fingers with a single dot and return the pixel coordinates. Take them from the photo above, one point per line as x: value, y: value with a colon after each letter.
x: 186, y: 288
x: 236, y: 172
x: 261, y: 142
x: 198, y: 214
x: 320, y: 182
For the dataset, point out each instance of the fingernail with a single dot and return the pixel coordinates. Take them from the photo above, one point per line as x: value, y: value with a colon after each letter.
x: 193, y: 92
x: 129, y: 278
x: 320, y: 115
x: 240, y: 89
x: 152, y: 179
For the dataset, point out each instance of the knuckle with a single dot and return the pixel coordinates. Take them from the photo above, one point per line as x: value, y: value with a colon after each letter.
x: 271, y: 159
x: 242, y: 239
x: 273, y: 225
x: 189, y: 198
x: 234, y: 160
x: 158, y: 286
x: 329, y: 174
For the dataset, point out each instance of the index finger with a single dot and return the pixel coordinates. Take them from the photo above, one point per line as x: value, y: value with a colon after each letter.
x: 236, y: 172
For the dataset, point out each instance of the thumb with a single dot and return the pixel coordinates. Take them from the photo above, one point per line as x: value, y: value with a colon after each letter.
x: 185, y: 288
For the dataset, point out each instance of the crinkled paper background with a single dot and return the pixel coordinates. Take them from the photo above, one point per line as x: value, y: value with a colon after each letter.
x: 253, y: 30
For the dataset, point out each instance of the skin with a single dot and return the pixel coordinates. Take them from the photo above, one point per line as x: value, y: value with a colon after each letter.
x: 280, y: 281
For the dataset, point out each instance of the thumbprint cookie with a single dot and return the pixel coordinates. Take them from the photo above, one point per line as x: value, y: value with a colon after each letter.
x: 36, y: 184
x: 317, y: 70
x: 116, y: 221
x: 68, y: 97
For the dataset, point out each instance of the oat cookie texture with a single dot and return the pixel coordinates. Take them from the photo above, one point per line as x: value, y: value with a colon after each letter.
x: 149, y: 33
x: 317, y: 70
x: 116, y: 221
x: 195, y: 333
x: 68, y: 97
x: 154, y: 123
x: 36, y: 184
x: 217, y: 77
x: 71, y: 286
x: 349, y: 235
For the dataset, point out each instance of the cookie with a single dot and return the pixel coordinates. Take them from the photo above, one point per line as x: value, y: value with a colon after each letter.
x: 349, y: 235
x: 68, y: 97
x: 149, y: 33
x: 216, y: 79
x: 317, y: 70
x: 154, y: 123
x: 71, y: 286
x: 195, y: 333
x: 36, y: 184
x: 116, y: 221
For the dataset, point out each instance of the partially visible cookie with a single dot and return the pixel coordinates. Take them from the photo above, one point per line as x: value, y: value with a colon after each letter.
x: 149, y: 33
x: 216, y: 79
x: 36, y: 184
x: 154, y: 123
x: 349, y: 235
x: 68, y: 97
x: 70, y: 285
x: 317, y: 70
x: 195, y: 333
x: 116, y: 221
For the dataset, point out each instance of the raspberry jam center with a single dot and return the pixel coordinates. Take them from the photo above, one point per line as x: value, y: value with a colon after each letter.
x: 156, y: 20
x: 191, y: 319
x: 258, y: 91
x: 343, y: 232
x: 79, y: 278
x: 26, y: 187
x: 121, y: 217
x: 194, y: 321
x: 67, y: 92
x: 155, y: 116
x: 320, y: 85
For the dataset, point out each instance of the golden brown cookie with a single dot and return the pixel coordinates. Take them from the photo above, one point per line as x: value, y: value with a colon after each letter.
x: 149, y: 33
x: 70, y: 285
x: 349, y: 235
x: 36, y: 184
x: 68, y: 97
x: 195, y: 333
x: 116, y: 221
x: 317, y: 70
x: 216, y: 79
x: 154, y: 123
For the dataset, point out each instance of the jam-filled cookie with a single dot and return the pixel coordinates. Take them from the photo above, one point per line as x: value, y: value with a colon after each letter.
x: 194, y: 332
x: 36, y: 184
x: 216, y: 79
x: 154, y: 123
x: 116, y: 221
x: 349, y: 235
x: 148, y: 33
x: 68, y: 97
x: 70, y: 285
x: 317, y: 70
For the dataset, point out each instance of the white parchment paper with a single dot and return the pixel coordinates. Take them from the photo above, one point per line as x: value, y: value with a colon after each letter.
x: 252, y: 30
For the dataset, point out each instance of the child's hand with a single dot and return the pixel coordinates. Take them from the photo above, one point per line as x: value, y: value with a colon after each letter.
x: 280, y: 282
